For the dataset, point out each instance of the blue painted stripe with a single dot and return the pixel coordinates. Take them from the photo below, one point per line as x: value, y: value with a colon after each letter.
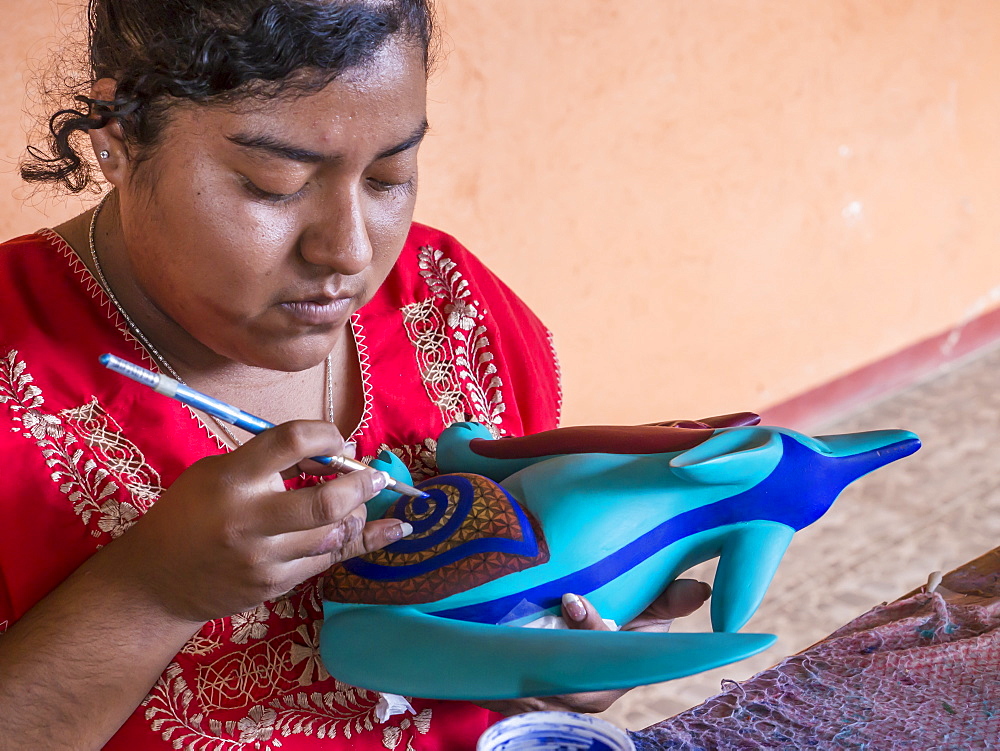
x: 757, y: 503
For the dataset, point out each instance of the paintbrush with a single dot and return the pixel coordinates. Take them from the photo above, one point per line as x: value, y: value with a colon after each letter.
x: 233, y: 415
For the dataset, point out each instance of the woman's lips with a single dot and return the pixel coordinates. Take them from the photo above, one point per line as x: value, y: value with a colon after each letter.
x: 318, y: 312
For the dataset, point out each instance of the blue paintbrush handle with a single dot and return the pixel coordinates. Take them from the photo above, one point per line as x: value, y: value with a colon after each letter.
x: 228, y: 413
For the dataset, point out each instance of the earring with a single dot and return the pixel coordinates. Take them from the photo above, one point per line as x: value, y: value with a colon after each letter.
x: 104, y: 155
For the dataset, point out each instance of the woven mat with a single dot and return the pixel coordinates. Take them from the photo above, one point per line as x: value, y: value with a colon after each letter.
x: 920, y: 673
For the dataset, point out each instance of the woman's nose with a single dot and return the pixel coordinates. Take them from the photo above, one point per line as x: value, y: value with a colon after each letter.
x: 337, y: 237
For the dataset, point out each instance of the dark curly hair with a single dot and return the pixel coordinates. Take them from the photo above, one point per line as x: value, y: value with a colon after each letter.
x: 205, y: 51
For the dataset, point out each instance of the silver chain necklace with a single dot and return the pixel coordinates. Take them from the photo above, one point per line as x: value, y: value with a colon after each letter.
x: 148, y: 345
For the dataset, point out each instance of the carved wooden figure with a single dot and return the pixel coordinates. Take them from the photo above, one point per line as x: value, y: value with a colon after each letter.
x: 611, y: 513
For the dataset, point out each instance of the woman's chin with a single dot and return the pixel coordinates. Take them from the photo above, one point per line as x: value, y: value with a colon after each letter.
x: 295, y: 363
x: 281, y: 357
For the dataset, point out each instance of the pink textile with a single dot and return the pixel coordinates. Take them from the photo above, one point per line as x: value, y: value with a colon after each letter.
x: 920, y: 673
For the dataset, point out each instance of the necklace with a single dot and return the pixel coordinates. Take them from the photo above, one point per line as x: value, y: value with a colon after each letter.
x: 148, y: 345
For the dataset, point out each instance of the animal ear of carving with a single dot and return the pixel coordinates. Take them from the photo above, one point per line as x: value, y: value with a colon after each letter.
x: 454, y: 453
x: 740, y: 456
x: 387, y: 462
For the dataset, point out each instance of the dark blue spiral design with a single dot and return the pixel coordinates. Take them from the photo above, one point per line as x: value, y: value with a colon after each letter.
x: 526, y: 547
x: 419, y: 540
x: 409, y: 509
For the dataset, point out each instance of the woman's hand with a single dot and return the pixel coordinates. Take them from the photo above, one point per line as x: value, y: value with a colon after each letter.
x: 227, y: 536
x: 223, y: 538
x: 681, y: 598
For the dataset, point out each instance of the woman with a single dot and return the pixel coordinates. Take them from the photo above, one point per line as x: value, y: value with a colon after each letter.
x: 256, y: 244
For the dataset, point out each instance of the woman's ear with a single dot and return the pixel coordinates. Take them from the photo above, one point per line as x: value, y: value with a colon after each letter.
x: 108, y: 142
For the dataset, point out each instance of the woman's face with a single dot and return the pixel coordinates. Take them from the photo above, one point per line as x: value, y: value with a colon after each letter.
x: 257, y: 232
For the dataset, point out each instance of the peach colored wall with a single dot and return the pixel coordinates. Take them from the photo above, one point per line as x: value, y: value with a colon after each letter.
x: 715, y: 205
x: 27, y: 33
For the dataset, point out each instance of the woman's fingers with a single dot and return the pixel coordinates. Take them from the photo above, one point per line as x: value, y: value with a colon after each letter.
x: 227, y: 535
x: 580, y: 614
x: 309, y: 467
x: 321, y: 505
x: 311, y: 553
x: 283, y: 447
x: 347, y: 539
x: 681, y: 598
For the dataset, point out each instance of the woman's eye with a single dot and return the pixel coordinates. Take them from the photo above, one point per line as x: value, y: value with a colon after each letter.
x: 265, y: 195
x: 382, y: 186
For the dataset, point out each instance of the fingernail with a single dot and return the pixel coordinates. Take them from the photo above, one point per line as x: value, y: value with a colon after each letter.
x: 574, y: 607
x: 351, y: 449
x: 706, y: 590
x: 380, y: 481
x: 400, y: 531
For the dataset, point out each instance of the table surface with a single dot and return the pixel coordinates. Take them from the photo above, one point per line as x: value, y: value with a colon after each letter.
x: 979, y: 577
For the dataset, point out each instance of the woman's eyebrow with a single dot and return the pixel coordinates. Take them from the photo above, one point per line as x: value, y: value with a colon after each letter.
x: 416, y: 137
x: 276, y: 147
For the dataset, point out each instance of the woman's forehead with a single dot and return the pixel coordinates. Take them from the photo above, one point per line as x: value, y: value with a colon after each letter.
x: 397, y: 72
x: 382, y: 104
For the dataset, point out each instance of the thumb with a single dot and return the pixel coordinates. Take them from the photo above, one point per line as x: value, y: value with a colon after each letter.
x: 284, y: 446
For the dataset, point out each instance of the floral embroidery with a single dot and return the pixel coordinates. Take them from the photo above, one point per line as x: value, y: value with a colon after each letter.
x: 262, y: 685
x: 266, y: 682
x: 421, y: 458
x: 258, y: 726
x: 251, y: 624
x: 306, y: 654
x: 41, y: 426
x: 391, y: 737
x: 346, y: 710
x: 452, y: 345
x: 88, y: 486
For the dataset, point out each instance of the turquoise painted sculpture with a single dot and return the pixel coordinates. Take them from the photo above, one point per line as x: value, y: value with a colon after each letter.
x: 614, y: 514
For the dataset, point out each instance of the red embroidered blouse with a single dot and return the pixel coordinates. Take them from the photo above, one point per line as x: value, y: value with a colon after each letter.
x: 87, y: 452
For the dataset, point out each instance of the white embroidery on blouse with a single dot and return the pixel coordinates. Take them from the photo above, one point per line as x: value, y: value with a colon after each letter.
x: 90, y: 486
x: 453, y: 345
x: 558, y: 371
x: 279, y: 667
